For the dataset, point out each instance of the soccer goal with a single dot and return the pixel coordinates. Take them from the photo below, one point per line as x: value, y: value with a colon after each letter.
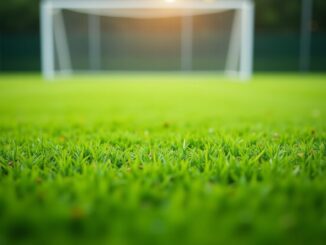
x: 83, y: 36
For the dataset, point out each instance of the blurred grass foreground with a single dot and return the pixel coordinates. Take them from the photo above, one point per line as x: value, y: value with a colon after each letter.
x: 163, y: 159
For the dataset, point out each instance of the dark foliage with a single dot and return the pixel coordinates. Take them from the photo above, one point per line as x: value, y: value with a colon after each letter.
x: 20, y: 16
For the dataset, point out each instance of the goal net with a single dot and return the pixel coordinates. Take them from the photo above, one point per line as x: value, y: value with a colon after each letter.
x: 80, y: 36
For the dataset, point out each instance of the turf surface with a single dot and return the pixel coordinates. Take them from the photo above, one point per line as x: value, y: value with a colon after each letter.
x: 163, y: 159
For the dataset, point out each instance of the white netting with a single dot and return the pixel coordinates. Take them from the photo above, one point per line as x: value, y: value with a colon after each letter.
x: 145, y: 43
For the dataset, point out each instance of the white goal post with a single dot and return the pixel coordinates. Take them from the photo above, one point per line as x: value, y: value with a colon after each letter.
x: 55, y: 47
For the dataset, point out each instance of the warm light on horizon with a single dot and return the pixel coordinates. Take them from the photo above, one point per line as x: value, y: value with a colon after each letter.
x: 170, y: 1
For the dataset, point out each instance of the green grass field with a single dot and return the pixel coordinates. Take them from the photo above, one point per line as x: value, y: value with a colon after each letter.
x: 163, y: 159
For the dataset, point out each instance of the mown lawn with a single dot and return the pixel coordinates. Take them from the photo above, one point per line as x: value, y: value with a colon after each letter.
x: 163, y: 159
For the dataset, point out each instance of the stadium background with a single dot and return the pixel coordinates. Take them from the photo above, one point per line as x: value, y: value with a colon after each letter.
x: 277, y: 38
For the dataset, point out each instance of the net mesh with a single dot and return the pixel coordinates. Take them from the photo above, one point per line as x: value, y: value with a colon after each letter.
x: 151, y: 43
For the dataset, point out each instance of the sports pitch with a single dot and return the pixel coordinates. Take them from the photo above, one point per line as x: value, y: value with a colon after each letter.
x: 163, y: 159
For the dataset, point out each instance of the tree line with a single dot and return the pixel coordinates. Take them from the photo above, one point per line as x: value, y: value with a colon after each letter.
x: 22, y: 16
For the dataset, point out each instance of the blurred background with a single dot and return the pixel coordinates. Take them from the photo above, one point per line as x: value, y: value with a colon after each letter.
x: 278, y: 37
